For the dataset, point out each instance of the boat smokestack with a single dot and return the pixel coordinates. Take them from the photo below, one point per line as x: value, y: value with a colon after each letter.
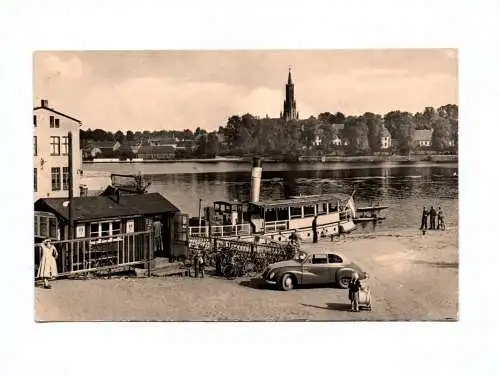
x: 256, y: 177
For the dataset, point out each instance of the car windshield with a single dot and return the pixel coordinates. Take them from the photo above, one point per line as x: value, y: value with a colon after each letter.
x: 301, y: 256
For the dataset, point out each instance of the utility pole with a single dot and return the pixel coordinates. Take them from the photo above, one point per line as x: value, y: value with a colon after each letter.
x: 70, y: 185
x: 70, y: 198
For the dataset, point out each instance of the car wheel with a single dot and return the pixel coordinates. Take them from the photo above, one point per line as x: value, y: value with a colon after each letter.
x: 287, y: 282
x: 344, y: 281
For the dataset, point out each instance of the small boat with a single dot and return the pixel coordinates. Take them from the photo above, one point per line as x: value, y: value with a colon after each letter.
x: 369, y: 213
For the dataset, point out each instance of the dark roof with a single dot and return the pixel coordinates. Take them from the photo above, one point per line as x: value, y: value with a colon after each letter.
x: 423, y: 135
x: 304, y: 200
x: 96, y: 207
x: 162, y: 149
x: 104, y: 144
x: 385, y: 133
x: 57, y: 112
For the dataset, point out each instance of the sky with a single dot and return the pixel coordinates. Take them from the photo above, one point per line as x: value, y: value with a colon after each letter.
x: 154, y: 90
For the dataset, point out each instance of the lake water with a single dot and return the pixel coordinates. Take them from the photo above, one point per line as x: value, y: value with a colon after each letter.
x: 404, y: 187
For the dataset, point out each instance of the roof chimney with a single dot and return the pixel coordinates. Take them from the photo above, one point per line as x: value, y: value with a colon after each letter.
x: 45, y: 103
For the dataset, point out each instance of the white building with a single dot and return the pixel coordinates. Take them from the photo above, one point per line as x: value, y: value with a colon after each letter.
x: 385, y: 139
x: 50, y: 143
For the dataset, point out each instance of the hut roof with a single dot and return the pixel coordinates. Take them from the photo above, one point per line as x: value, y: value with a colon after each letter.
x: 97, y: 207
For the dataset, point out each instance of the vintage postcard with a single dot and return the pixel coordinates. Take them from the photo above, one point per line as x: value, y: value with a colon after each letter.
x: 246, y: 185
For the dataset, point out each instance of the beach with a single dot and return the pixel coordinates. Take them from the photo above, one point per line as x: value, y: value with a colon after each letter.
x: 412, y: 277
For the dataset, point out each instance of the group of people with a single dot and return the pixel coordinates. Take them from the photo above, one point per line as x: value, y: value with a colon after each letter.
x: 432, y: 214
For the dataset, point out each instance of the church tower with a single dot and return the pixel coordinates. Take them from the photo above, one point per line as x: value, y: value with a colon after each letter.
x: 289, y: 105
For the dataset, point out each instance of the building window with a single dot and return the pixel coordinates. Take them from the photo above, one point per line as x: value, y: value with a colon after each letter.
x: 34, y: 120
x: 105, y: 229
x: 56, y: 178
x: 35, y: 150
x: 65, y: 146
x: 51, y: 120
x: 55, y: 145
x: 65, y: 177
x: 57, y: 123
x: 35, y: 178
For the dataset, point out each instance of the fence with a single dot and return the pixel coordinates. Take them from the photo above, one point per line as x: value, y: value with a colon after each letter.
x: 120, y: 251
x: 214, y: 244
x: 276, y: 226
x: 219, y: 231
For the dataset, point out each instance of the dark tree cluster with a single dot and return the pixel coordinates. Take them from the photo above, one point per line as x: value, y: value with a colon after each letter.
x: 327, y: 133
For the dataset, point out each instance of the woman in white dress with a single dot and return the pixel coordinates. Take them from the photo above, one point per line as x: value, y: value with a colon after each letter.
x: 48, y: 267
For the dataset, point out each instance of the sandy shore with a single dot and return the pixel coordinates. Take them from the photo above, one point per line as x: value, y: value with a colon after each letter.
x: 412, y: 277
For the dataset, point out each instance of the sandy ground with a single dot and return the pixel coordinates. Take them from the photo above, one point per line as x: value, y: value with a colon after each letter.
x: 412, y: 277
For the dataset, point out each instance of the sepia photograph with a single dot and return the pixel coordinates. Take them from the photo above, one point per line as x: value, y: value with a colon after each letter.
x: 246, y: 185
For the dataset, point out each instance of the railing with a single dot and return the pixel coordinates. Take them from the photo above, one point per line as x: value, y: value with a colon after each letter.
x: 220, y: 231
x: 276, y: 226
x: 100, y: 254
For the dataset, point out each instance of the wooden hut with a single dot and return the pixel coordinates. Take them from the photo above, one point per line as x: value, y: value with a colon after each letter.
x: 106, y: 216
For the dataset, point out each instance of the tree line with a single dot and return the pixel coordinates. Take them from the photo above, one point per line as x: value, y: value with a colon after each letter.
x: 360, y: 135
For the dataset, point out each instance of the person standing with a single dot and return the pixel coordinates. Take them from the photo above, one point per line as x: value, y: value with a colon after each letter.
x: 425, y: 214
x: 432, y: 214
x: 295, y: 238
x: 354, y: 287
x: 157, y: 236
x: 315, y: 229
x: 440, y: 216
x: 48, y: 267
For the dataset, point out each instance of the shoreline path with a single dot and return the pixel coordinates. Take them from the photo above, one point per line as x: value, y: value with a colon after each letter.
x: 412, y: 277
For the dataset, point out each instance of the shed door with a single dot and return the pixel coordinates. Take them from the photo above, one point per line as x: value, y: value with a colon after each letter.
x: 180, y: 241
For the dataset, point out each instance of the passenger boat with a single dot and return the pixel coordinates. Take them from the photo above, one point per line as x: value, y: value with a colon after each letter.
x: 327, y: 215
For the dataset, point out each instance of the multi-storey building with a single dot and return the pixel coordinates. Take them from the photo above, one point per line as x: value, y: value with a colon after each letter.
x: 50, y: 152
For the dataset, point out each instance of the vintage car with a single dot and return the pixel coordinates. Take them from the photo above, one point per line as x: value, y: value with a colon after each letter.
x: 318, y: 267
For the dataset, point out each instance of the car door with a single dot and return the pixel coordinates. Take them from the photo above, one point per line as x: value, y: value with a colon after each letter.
x: 315, y: 270
x: 335, y: 263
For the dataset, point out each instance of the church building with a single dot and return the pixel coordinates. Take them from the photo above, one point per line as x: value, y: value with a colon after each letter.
x: 289, y: 105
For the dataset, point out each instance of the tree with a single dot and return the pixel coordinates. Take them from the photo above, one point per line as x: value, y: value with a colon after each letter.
x: 442, y: 134
x: 119, y: 136
x: 130, y: 136
x: 356, y: 132
x: 375, y: 127
x: 401, y: 126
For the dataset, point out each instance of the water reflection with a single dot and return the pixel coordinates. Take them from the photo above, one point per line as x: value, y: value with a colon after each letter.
x: 404, y: 188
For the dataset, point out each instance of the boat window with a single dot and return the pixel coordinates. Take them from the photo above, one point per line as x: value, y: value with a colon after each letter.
x: 321, y: 208
x: 283, y: 214
x: 308, y: 211
x: 270, y: 215
x: 334, y: 259
x: 319, y: 259
x: 332, y: 207
x: 296, y: 212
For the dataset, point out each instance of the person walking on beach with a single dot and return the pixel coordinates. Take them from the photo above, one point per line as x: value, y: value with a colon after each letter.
x: 157, y: 236
x: 432, y: 214
x: 354, y: 287
x: 440, y: 216
x: 48, y: 267
x: 425, y: 214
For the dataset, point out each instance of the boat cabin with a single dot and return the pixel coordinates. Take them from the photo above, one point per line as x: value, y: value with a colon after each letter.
x: 297, y: 212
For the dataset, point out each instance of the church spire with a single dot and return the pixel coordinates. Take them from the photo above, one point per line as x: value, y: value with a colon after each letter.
x: 289, y: 105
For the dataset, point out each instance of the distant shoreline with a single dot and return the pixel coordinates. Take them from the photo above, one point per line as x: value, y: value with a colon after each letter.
x: 315, y: 159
